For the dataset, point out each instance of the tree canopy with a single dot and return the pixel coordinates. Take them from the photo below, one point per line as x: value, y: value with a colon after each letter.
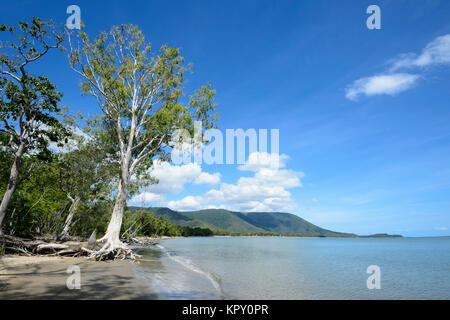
x: 28, y: 102
x: 141, y: 95
x: 68, y: 174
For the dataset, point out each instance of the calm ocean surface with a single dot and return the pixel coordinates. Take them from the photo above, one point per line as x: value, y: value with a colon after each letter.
x: 297, y: 268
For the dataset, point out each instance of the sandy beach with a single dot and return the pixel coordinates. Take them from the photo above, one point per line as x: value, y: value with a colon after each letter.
x: 24, y: 277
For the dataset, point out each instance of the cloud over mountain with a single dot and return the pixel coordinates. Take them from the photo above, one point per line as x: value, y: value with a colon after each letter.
x: 266, y: 190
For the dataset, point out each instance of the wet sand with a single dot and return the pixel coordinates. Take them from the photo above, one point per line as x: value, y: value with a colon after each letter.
x: 45, y: 278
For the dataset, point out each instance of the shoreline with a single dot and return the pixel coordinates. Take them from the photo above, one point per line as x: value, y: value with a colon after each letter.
x: 40, y: 277
x: 156, y: 276
x: 176, y: 277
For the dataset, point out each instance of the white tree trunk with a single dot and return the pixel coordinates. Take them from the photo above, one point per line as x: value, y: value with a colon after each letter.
x: 112, y: 235
x: 111, y: 239
x: 68, y: 223
x: 12, y: 183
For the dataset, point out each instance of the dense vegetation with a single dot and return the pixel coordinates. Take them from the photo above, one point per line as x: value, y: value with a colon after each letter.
x: 63, y: 174
x: 40, y: 207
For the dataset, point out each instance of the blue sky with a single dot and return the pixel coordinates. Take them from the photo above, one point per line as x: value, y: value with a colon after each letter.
x: 364, y: 127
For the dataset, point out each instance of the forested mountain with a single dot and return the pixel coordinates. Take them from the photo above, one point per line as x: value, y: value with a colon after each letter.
x: 241, y: 222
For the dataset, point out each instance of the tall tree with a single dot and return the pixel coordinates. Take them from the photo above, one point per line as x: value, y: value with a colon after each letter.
x: 141, y: 95
x: 28, y: 103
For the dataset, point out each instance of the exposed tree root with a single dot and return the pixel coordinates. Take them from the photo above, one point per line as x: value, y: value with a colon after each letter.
x: 48, y: 247
x: 113, y: 254
x: 30, y: 247
x: 113, y: 250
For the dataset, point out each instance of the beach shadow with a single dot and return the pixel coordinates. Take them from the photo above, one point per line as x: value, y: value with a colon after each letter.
x: 48, y: 282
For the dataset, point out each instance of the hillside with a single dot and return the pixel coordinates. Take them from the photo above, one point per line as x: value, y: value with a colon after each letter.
x: 220, y: 219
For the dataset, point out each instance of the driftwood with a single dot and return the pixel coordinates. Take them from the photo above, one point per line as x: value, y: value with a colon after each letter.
x: 31, y: 247
x: 48, y: 247
x: 143, y: 241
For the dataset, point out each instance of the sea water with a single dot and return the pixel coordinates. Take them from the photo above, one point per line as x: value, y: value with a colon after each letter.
x: 298, y: 268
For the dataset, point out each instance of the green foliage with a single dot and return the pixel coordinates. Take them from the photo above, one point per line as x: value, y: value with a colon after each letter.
x: 28, y: 103
x: 143, y: 223
x: 37, y: 205
x: 141, y: 95
x: 91, y: 216
x: 83, y: 168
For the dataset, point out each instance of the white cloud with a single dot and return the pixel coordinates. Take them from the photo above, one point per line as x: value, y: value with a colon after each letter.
x: 187, y: 203
x: 443, y: 228
x: 266, y: 190
x: 258, y: 160
x: 314, y: 200
x: 145, y: 198
x: 390, y: 84
x: 171, y: 179
x: 436, y: 52
x: 207, y: 178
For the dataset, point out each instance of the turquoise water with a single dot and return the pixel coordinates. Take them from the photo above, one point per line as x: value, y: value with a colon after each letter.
x: 298, y: 268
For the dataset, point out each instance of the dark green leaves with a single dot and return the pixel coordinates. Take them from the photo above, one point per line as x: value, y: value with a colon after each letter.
x: 29, y: 103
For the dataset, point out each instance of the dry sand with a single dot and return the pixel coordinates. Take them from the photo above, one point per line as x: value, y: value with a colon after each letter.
x: 45, y: 278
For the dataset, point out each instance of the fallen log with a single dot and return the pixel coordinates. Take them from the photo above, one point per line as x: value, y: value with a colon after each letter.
x: 16, y: 245
x: 52, y: 247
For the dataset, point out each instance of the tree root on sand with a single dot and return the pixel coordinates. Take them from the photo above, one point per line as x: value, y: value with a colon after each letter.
x: 113, y: 251
x: 32, y: 247
x: 112, y: 254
